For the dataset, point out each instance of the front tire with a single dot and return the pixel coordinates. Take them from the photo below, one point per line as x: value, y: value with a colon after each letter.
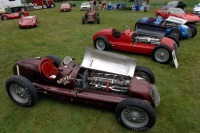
x: 21, y: 91
x: 145, y: 73
x: 162, y: 54
x: 135, y: 114
x: 101, y: 43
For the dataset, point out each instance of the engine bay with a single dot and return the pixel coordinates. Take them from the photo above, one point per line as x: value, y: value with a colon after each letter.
x: 103, y: 81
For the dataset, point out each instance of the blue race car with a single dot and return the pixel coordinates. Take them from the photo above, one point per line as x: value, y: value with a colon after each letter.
x: 174, y: 26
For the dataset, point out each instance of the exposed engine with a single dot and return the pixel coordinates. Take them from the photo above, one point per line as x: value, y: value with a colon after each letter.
x: 146, y: 39
x: 102, y: 81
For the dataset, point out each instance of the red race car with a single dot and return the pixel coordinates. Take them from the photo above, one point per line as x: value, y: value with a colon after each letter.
x: 177, y: 12
x: 103, y: 79
x: 142, y: 41
x: 28, y: 22
x: 65, y: 7
x: 14, y: 12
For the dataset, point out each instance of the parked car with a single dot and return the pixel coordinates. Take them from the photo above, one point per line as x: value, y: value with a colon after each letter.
x: 43, y: 3
x: 65, y: 7
x: 196, y: 9
x: 142, y: 41
x: 91, y: 16
x: 28, y: 22
x: 14, y: 12
x: 85, y: 6
x: 174, y: 26
x: 98, y: 81
x: 176, y: 4
x: 177, y: 12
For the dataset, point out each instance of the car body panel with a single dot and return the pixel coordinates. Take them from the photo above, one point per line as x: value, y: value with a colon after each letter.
x: 28, y: 22
x: 177, y: 12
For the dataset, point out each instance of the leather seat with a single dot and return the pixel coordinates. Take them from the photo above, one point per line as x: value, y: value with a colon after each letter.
x: 49, y: 70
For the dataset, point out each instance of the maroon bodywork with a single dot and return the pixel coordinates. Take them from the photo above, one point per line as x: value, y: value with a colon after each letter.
x: 91, y: 16
x: 94, y: 82
x: 177, y: 12
x: 31, y: 69
x: 28, y: 22
x: 65, y: 7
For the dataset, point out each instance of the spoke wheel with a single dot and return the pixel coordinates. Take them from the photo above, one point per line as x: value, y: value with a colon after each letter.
x: 135, y: 114
x: 21, y: 91
x: 100, y: 44
x: 162, y: 54
x: 134, y: 117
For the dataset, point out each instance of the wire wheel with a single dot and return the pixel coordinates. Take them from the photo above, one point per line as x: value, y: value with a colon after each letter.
x: 162, y: 55
x: 100, y: 44
x: 134, y: 117
x: 19, y: 93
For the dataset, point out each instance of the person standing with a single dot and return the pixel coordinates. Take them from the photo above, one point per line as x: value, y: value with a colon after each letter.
x: 99, y: 5
x: 95, y: 4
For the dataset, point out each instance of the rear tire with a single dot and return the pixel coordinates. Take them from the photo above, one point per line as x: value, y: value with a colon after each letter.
x: 193, y: 29
x: 175, y: 39
x: 83, y: 19
x: 135, y: 114
x: 176, y: 33
x: 21, y: 91
x: 145, y: 73
x: 57, y: 60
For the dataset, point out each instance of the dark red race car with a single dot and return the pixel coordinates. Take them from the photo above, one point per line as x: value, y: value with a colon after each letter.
x: 65, y: 7
x: 15, y: 12
x: 28, y: 22
x: 91, y: 16
x: 142, y: 41
x: 103, y: 79
x: 177, y: 12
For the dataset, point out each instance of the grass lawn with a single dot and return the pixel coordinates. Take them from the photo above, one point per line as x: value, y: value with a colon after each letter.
x: 63, y: 34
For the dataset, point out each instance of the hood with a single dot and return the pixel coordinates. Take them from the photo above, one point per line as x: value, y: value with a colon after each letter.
x: 176, y: 20
x: 109, y: 62
x: 91, y: 12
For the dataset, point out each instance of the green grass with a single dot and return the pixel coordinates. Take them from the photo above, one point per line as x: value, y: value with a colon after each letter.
x: 63, y: 34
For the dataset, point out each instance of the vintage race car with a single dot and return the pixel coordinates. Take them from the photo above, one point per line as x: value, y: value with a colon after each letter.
x: 14, y: 12
x: 177, y: 12
x: 176, y: 4
x: 174, y: 26
x: 103, y: 79
x: 91, y: 16
x: 142, y: 41
x: 196, y: 9
x: 28, y: 22
x: 65, y: 7
x: 85, y: 6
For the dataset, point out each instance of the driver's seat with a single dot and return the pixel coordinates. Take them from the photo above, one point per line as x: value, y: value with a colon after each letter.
x: 49, y: 70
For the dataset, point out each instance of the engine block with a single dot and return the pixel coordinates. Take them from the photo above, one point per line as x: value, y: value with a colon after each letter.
x: 107, y: 82
x: 146, y: 39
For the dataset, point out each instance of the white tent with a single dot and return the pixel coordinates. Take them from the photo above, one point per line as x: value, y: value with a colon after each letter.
x: 11, y: 3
